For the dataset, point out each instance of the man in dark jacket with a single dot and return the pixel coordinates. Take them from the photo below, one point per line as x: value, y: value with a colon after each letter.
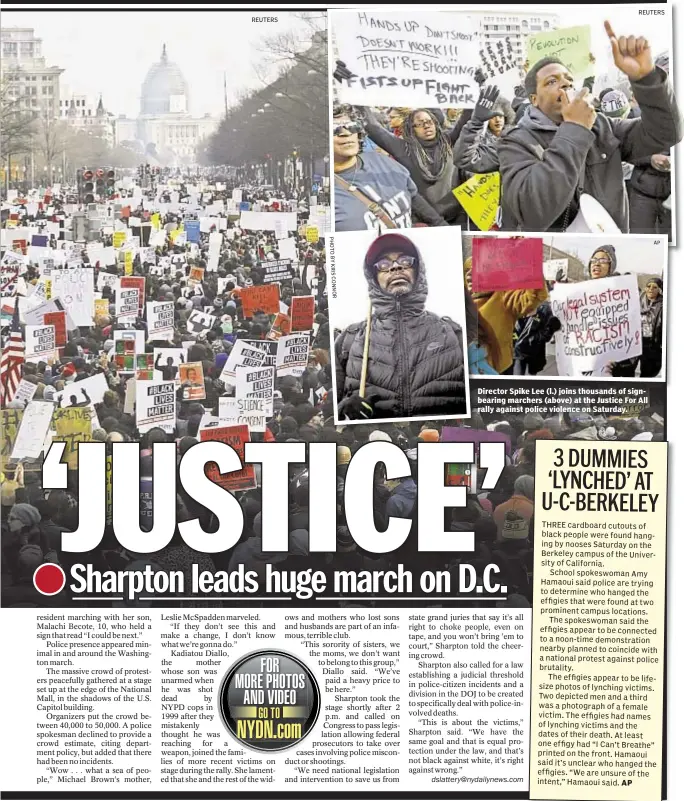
x: 562, y: 147
x: 415, y: 358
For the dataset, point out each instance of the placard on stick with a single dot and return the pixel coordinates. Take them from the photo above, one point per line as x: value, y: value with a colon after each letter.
x: 302, y: 313
x: 265, y: 298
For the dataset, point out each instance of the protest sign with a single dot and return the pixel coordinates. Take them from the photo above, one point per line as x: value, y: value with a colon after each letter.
x: 312, y: 234
x: 25, y: 391
x: 256, y: 383
x: 144, y: 368
x: 277, y: 270
x: 192, y: 229
x: 128, y: 262
x: 236, y: 412
x: 83, y: 393
x: 237, y: 195
x: 58, y: 320
x: 10, y: 421
x: 191, y: 376
x: 393, y: 58
x: 264, y: 298
x: 100, y: 308
x: 476, y: 436
x: 198, y: 322
x: 10, y: 268
x: 75, y: 288
x: 215, y: 242
x: 480, y: 197
x: 40, y: 343
x: 280, y: 327
x: 268, y: 347
x: 155, y: 405
x: 34, y: 427
x: 127, y: 303
x: 293, y: 354
x: 107, y: 279
x: 160, y: 317
x: 287, y: 248
x: 196, y: 275
x: 267, y: 220
x: 241, y: 354
x: 167, y: 362
x: 601, y: 323
x: 556, y: 269
x: 571, y: 46
x: 118, y: 238
x: 503, y: 263
x: 72, y: 426
x: 236, y: 437
x: 302, y: 313
x: 135, y: 282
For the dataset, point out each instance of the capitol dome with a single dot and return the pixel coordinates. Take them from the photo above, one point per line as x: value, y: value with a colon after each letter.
x: 164, y: 90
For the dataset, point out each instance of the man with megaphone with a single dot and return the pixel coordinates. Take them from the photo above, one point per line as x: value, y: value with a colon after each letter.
x: 563, y: 148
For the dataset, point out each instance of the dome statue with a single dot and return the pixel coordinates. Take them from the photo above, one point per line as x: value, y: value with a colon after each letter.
x: 164, y: 90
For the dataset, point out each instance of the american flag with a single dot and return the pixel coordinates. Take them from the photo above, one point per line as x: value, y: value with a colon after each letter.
x: 12, y: 359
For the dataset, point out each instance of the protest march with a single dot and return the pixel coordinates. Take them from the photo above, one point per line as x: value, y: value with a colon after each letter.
x: 518, y: 122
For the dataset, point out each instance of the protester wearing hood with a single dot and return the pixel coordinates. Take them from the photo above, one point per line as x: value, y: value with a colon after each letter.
x: 477, y: 148
x: 652, y: 328
x: 415, y: 358
x: 562, y: 146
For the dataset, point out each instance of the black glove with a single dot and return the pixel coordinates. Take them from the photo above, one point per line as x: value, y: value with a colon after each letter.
x: 554, y: 325
x: 485, y: 103
x: 341, y: 72
x: 479, y: 76
x: 356, y: 408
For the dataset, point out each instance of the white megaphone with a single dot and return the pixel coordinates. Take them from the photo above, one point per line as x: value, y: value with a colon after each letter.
x: 592, y: 218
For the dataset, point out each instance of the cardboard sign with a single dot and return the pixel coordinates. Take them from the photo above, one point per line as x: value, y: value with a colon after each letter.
x: 265, y: 298
x: 256, y: 383
x: 480, y: 196
x: 241, y: 354
x: 191, y: 375
x: 35, y: 424
x: 571, y: 46
x: 160, y: 318
x: 25, y: 391
x: 118, y: 238
x: 293, y: 354
x: 58, y: 320
x: 277, y: 271
x: 198, y: 322
x: 302, y: 313
x: 40, y: 343
x: 155, y: 405
x: 312, y: 234
x: 75, y: 288
x: 235, y: 412
x: 601, y: 323
x: 505, y: 263
x: 100, y: 308
x: 392, y: 56
x: 135, y: 282
x: 268, y: 347
x: 236, y: 437
x: 280, y: 327
x: 72, y: 426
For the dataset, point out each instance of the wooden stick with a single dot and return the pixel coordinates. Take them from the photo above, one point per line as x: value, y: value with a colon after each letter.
x: 366, y: 348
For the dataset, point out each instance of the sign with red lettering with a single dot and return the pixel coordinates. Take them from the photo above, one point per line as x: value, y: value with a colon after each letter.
x: 58, y: 319
x: 134, y: 282
x: 265, y: 298
x: 507, y: 263
x: 302, y: 313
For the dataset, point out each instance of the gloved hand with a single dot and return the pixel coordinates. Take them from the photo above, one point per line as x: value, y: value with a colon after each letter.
x: 341, y: 72
x: 554, y: 325
x: 485, y: 103
x: 356, y: 408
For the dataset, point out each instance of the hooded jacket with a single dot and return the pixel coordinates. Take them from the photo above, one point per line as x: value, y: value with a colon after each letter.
x: 542, y: 163
x: 416, y: 362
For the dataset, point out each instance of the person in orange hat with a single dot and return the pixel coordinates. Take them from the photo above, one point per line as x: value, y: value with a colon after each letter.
x: 429, y: 435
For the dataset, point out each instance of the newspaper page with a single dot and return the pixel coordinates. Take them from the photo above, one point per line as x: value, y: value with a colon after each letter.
x: 295, y: 502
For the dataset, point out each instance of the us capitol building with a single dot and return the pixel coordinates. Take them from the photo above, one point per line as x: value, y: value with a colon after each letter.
x: 165, y: 127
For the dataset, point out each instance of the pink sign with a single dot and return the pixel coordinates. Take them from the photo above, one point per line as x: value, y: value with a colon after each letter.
x: 504, y: 263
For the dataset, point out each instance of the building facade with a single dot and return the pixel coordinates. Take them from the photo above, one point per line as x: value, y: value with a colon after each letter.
x: 28, y: 78
x: 165, y: 127
x: 83, y: 113
x: 515, y: 26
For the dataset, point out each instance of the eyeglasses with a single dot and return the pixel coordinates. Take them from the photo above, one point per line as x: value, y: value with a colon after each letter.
x: 348, y: 127
x: 425, y: 124
x: 385, y: 265
x: 599, y: 261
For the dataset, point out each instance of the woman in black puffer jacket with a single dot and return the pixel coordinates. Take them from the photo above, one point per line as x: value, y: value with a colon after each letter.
x: 415, y: 364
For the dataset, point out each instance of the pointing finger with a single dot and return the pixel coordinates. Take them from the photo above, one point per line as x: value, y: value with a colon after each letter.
x: 609, y: 30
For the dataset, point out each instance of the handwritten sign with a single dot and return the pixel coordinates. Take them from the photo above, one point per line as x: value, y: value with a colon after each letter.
x: 601, y: 323
x: 556, y: 269
x: 503, y: 263
x: 480, y: 197
x: 265, y: 298
x: 72, y: 426
x: 302, y: 313
x: 248, y: 412
x: 75, y: 288
x: 571, y: 46
x: 236, y: 437
x: 422, y: 59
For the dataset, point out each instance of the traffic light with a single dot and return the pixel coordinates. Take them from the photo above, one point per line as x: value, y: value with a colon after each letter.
x: 88, y: 186
x: 110, y: 177
x: 100, y: 182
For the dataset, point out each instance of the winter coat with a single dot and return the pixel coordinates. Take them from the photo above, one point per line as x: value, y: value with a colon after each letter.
x: 648, y: 181
x: 477, y: 148
x: 415, y: 364
x: 652, y: 319
x: 402, y: 501
x: 541, y: 163
x: 532, y: 333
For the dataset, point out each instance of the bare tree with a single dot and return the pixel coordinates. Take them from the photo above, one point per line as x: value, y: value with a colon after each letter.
x: 50, y: 137
x: 16, y: 125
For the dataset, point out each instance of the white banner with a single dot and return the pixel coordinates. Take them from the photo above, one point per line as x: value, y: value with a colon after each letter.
x: 75, y: 288
x: 33, y: 431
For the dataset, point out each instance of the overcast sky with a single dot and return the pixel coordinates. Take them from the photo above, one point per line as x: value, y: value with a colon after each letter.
x: 111, y: 52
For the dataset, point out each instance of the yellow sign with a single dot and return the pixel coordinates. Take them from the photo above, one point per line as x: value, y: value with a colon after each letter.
x: 480, y: 197
x: 10, y: 420
x: 128, y: 262
x: 312, y: 234
x: 118, y: 238
x: 156, y: 221
x: 101, y: 308
x: 72, y: 425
